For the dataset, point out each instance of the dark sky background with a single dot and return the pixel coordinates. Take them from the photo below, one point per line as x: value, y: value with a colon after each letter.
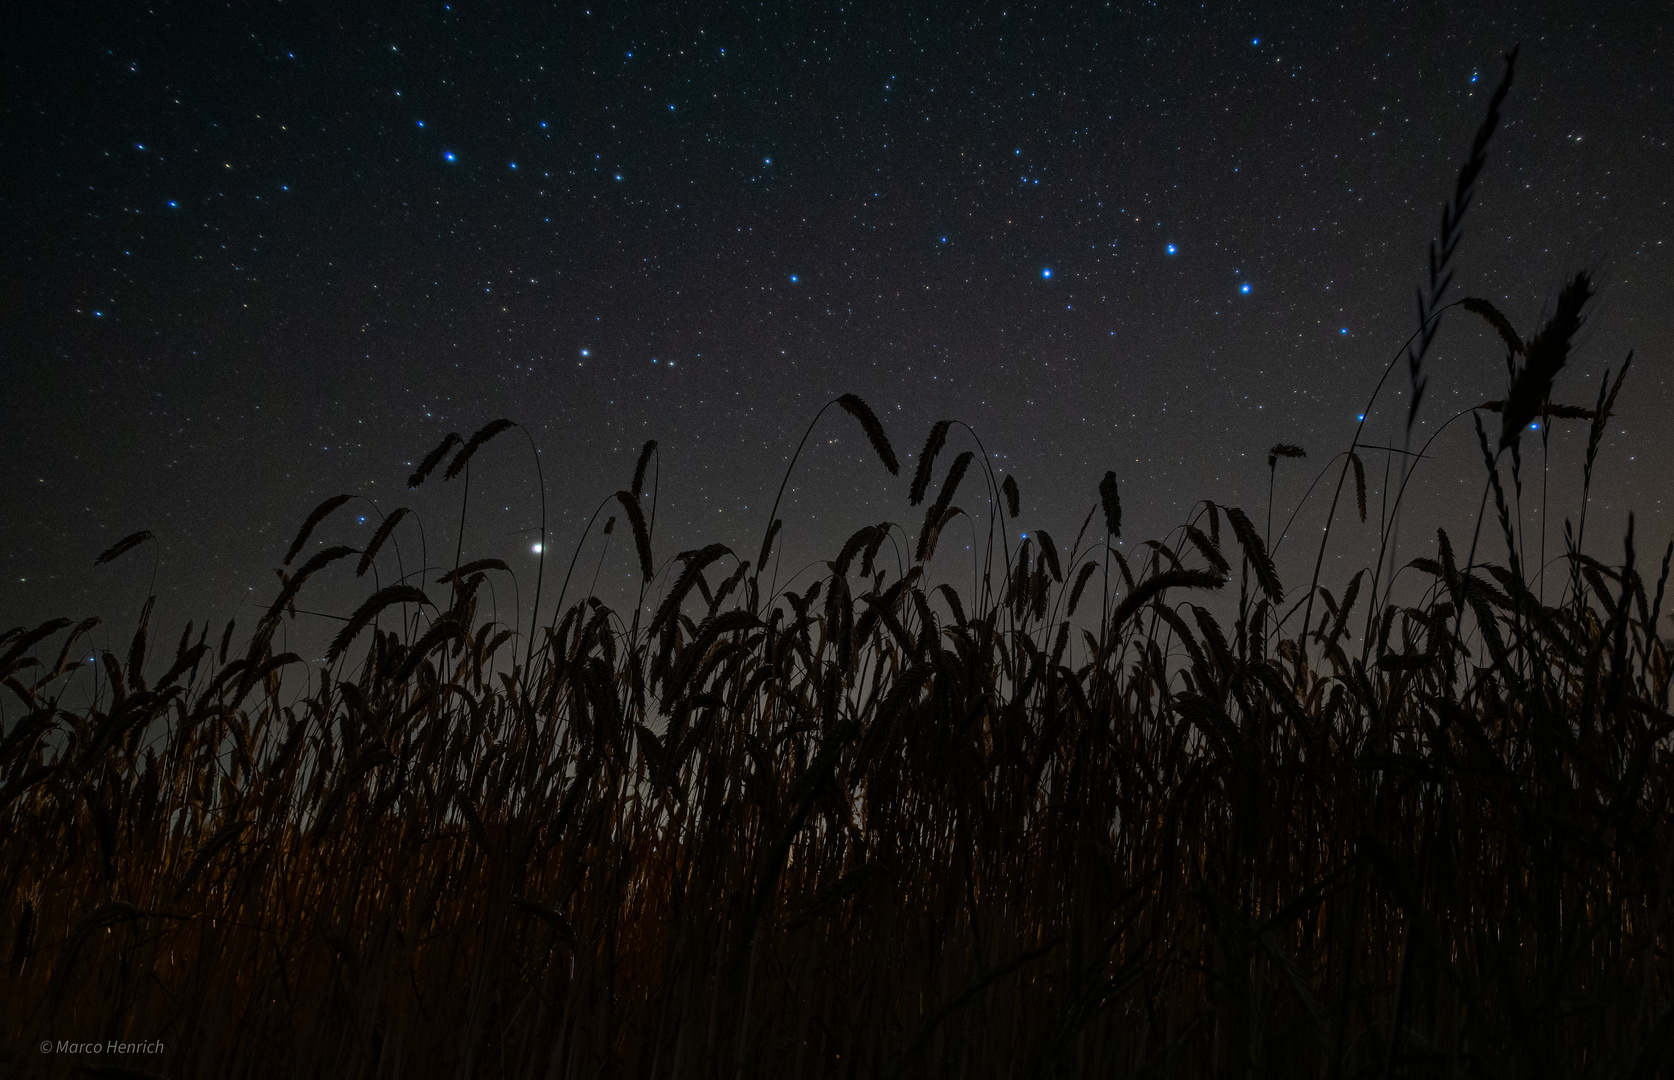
x: 259, y: 255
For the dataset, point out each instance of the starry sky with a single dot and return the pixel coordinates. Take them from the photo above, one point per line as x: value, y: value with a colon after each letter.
x: 257, y: 255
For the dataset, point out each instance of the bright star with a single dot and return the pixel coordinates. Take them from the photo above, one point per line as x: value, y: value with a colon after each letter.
x: 1344, y: 330
x: 449, y: 156
x: 536, y: 548
x: 1362, y: 416
x: 793, y: 277
x: 1255, y: 41
x: 421, y: 123
x: 586, y: 352
x: 1172, y: 249
x: 1046, y: 272
x: 513, y: 164
x: 1244, y: 288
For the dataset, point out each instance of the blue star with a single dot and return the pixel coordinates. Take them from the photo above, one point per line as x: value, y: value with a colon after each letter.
x: 1244, y: 288
x: 1046, y: 273
x: 513, y: 164
x: 449, y: 156
x: 1255, y: 41
x: 1344, y: 330
x: 586, y: 352
x: 1172, y: 250
x: 421, y: 123
x: 1362, y: 416
x: 793, y: 277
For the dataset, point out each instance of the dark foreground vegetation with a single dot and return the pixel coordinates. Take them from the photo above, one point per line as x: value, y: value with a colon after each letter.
x: 1064, y: 821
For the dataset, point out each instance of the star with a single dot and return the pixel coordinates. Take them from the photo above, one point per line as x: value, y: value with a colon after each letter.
x: 1172, y: 249
x: 1046, y: 273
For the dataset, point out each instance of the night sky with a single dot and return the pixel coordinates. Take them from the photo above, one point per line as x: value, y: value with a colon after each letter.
x: 256, y: 256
